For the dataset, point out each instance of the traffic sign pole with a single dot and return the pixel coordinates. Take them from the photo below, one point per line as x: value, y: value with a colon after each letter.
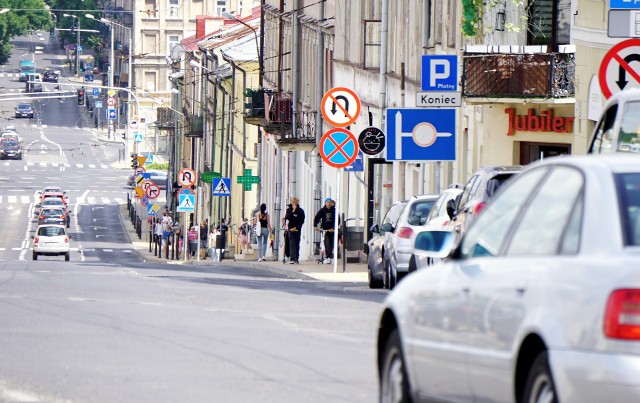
x: 335, y: 224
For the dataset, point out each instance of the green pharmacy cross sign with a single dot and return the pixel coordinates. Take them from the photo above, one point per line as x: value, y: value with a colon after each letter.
x: 247, y: 180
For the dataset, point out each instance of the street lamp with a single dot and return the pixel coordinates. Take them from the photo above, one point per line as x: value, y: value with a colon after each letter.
x: 255, y: 33
x: 75, y: 17
x: 112, y: 65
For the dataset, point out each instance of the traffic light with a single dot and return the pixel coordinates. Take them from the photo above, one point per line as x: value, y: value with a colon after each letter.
x: 134, y: 161
x: 80, y: 97
x: 81, y: 66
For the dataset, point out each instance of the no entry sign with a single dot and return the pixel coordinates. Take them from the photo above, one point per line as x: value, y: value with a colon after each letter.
x: 620, y: 68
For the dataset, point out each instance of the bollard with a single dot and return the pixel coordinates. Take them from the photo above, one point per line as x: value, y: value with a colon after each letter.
x: 139, y: 227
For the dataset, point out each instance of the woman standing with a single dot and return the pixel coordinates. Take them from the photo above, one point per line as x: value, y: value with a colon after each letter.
x: 295, y: 218
x: 204, y: 233
x: 192, y: 236
x: 265, y: 229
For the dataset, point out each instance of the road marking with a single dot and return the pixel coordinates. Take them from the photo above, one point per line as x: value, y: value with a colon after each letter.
x: 25, y: 199
x: 27, y: 233
x: 91, y: 166
x: 118, y: 200
x: 16, y: 248
x: 91, y: 200
x: 107, y: 250
x: 104, y: 166
x: 13, y: 199
x: 2, y: 249
x: 43, y: 164
x: 105, y: 200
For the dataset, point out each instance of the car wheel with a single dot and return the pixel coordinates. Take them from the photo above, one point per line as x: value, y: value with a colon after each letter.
x: 394, y: 382
x: 385, y: 274
x: 540, y: 387
x: 373, y: 283
x: 67, y: 257
x: 34, y: 256
x: 393, y: 277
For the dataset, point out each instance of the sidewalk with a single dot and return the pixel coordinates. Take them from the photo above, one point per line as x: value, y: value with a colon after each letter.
x: 306, y: 270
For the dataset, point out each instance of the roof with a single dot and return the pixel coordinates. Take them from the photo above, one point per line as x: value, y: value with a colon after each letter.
x: 244, y: 49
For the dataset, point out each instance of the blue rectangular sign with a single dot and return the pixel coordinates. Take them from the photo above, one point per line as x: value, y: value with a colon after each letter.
x: 96, y: 92
x: 420, y: 134
x: 628, y: 4
x: 439, y: 73
x: 221, y: 187
x: 357, y: 165
x: 111, y: 114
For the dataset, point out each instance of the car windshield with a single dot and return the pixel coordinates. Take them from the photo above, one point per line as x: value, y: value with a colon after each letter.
x: 9, y: 144
x: 52, y: 212
x: 51, y: 231
x: 629, y: 199
x: 24, y: 107
x: 52, y: 202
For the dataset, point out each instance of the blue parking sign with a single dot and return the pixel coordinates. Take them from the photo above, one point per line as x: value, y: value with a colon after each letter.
x: 439, y: 73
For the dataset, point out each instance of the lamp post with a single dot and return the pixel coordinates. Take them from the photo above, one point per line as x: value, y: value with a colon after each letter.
x: 112, y: 24
x: 75, y: 17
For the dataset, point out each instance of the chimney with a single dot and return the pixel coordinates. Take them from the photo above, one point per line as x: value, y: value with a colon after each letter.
x: 200, y: 26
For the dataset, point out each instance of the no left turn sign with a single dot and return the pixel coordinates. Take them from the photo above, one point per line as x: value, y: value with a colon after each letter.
x: 340, y: 107
x: 620, y: 68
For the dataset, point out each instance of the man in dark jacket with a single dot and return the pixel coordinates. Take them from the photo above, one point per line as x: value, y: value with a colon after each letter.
x: 325, y: 219
x: 295, y: 219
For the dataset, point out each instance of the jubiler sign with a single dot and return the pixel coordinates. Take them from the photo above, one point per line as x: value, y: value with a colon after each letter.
x: 546, y: 122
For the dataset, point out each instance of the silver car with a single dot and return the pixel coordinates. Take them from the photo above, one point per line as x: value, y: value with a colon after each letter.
x: 539, y: 302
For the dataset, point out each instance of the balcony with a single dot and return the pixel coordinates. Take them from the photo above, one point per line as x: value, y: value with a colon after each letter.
x: 195, y: 126
x: 518, y: 75
x: 274, y: 113
x: 165, y: 118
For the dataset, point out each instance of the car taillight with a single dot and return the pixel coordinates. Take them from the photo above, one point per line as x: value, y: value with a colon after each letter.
x: 405, y: 232
x: 478, y: 208
x: 41, y: 217
x: 63, y: 217
x: 622, y: 316
x: 66, y: 240
x: 35, y: 240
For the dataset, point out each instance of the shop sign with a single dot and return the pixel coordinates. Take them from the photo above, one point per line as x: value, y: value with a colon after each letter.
x: 546, y: 122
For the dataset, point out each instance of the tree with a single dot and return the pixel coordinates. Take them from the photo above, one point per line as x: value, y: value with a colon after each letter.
x: 16, y: 22
x: 67, y: 22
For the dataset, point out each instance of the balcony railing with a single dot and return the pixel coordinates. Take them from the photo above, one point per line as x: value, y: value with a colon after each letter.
x: 514, y: 75
x: 165, y: 118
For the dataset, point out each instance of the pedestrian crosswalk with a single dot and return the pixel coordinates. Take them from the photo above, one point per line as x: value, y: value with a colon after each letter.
x: 23, y: 199
x: 59, y: 165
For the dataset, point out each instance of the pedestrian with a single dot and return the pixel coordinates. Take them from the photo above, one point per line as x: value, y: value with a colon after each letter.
x: 221, y: 240
x: 325, y: 220
x: 243, y: 235
x: 177, y: 236
x: 166, y: 240
x: 204, y: 233
x: 295, y: 217
x: 211, y: 243
x: 158, y: 230
x: 166, y: 218
x: 285, y: 230
x: 262, y: 225
x: 192, y: 237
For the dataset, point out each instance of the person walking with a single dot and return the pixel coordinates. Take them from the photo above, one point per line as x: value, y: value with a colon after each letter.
x: 159, y: 229
x: 221, y: 243
x: 192, y: 236
x: 177, y: 238
x: 204, y: 233
x: 243, y: 235
x: 166, y: 239
x: 213, y: 234
x: 325, y: 220
x: 295, y: 218
x: 262, y: 223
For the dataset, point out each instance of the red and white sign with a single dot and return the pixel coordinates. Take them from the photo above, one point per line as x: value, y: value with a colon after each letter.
x: 153, y: 191
x: 187, y: 177
x: 339, y: 148
x: 340, y: 107
x: 620, y: 68
x: 111, y: 101
x: 146, y: 184
x: 140, y: 170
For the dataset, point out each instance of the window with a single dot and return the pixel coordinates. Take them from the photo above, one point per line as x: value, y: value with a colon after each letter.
x: 602, y: 139
x: 561, y: 190
x: 174, y: 9
x: 221, y: 6
x: 421, y: 209
x: 629, y: 136
x: 467, y: 191
x: 150, y: 80
x: 172, y: 40
x: 453, y: 26
x: 486, y: 236
x: 629, y: 205
x: 393, y: 214
x: 372, y: 44
x: 150, y: 44
x: 437, y: 21
x: 543, y: 15
x: 150, y: 8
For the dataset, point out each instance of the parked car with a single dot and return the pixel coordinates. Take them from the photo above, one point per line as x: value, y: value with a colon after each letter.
x: 533, y: 301
x: 51, y: 240
x: 24, y: 110
x: 439, y: 217
x: 10, y: 149
x: 53, y: 215
x: 617, y: 128
x: 398, y: 232
x: 375, y: 256
x: 50, y: 76
x: 482, y: 186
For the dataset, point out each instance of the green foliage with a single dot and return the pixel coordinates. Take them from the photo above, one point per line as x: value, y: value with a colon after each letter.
x: 471, y: 16
x: 16, y: 23
x: 159, y: 166
x: 67, y: 22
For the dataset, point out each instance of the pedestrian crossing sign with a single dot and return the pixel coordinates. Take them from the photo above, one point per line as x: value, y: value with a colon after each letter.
x: 221, y: 187
x: 186, y: 202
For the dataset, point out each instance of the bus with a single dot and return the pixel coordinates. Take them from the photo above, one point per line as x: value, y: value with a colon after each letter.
x: 26, y: 67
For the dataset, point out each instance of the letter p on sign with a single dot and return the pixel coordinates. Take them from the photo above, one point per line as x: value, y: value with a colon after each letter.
x: 439, y: 73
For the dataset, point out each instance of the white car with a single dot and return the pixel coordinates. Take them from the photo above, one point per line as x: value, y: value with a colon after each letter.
x: 439, y: 217
x: 539, y: 302
x: 51, y: 240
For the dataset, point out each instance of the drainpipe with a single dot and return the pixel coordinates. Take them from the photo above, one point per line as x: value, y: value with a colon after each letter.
x: 244, y: 136
x: 295, y: 76
x: 319, y: 122
x: 260, y: 81
x: 384, y: 32
x: 230, y: 131
x: 426, y: 33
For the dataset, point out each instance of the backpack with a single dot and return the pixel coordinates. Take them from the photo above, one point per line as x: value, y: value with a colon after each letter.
x: 243, y: 229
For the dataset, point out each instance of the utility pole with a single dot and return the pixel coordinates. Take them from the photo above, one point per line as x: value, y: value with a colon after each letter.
x: 78, y: 49
x: 279, y: 200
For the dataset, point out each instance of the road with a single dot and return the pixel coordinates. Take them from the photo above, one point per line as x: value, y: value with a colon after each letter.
x: 109, y: 327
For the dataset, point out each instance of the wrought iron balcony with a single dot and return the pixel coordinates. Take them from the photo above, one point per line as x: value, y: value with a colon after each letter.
x: 518, y: 75
x: 165, y: 118
x: 274, y: 113
x: 195, y: 126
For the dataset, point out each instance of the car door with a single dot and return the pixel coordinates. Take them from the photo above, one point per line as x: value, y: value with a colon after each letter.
x: 502, y: 292
x: 461, y: 208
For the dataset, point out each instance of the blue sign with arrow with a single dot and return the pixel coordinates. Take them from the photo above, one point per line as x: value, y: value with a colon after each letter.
x: 357, y: 165
x: 419, y: 134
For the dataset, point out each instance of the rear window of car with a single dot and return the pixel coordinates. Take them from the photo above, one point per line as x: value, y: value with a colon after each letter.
x: 52, y: 202
x: 496, y: 183
x: 51, y: 231
x: 421, y: 209
x: 629, y: 200
x: 629, y: 136
x: 52, y: 212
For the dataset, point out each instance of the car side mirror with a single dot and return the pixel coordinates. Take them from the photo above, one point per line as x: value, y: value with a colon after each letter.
x: 375, y: 229
x: 415, y: 220
x: 387, y: 227
x: 33, y: 237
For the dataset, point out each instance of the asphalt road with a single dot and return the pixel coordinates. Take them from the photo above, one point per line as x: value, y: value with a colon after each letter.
x: 109, y: 327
